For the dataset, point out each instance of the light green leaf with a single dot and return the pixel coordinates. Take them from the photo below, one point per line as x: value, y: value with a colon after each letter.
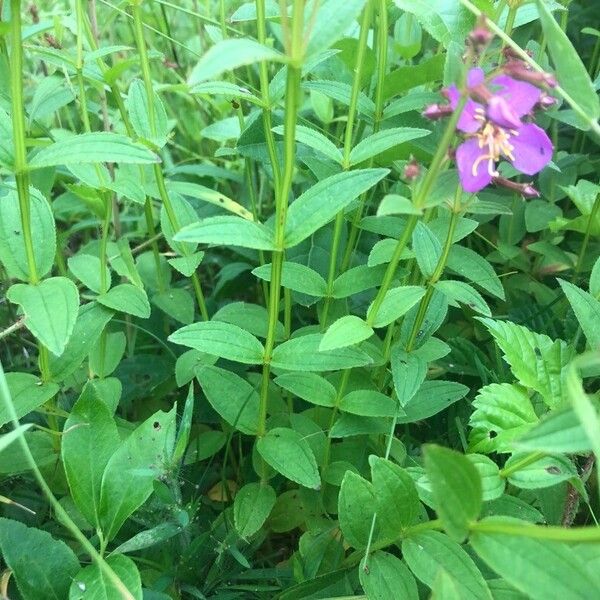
x: 184, y: 214
x: 186, y: 265
x: 320, y: 203
x: 492, y: 484
x: 387, y: 577
x: 227, y: 55
x: 86, y: 268
x: 138, y: 109
x: 459, y: 291
x: 397, y: 302
x: 225, y: 88
x: 427, y: 249
x: 7, y: 439
x: 408, y: 372
x: 368, y: 403
x: 177, y: 303
x: 221, y: 339
x: 50, y: 308
x: 342, y: 92
x: 97, y: 147
x: 27, y: 393
x: 542, y: 473
x: 303, y: 354
x: 393, y: 204
x: 309, y: 386
x: 296, y: 277
x: 381, y: 141
x: 129, y: 474
x: 251, y: 317
x: 228, y: 231
x: 468, y: 264
x: 356, y: 507
x: 291, y: 455
x: 315, y: 140
x: 432, y: 398
x: 127, y: 298
x: 251, y: 508
x: 587, y: 311
x: 346, y: 331
x: 148, y: 538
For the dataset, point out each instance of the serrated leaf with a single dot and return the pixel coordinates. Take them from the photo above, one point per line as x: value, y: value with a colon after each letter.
x: 587, y: 311
x: 463, y: 293
x: 468, y: 264
x: 431, y: 398
x: 138, y: 108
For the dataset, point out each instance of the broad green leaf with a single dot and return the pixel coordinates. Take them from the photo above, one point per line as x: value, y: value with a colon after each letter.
x: 321, y: 203
x: 542, y: 473
x: 97, y: 147
x: 535, y: 360
x: 502, y: 413
x: 587, y: 311
x: 138, y: 108
x: 595, y: 279
x: 251, y: 508
x: 231, y: 396
x: 296, y: 277
x: 356, y: 507
x: 12, y: 241
x: 358, y: 279
x: 309, y: 386
x: 393, y: 204
x: 291, y: 455
x: 90, y: 437
x: 408, y: 372
x: 463, y: 293
x: 187, y: 265
x: 383, y: 251
x: 468, y: 264
x: 430, y: 552
x: 384, y: 140
x: 407, y: 77
x: 303, y: 354
x: 397, y: 499
x: 148, y: 538
x: 185, y: 427
x: 368, y: 403
x: 92, y: 584
x: 130, y: 472
x: 184, y: 214
x: 27, y: 393
x: 7, y: 439
x: 224, y: 88
x: 127, y: 298
x: 387, y: 577
x: 572, y: 73
x: 91, y: 320
x: 342, y: 92
x: 228, y: 231
x: 221, y: 339
x: 231, y: 54
x: 251, y: 317
x: 432, y: 398
x: 50, y: 308
x: 397, y: 302
x: 492, y: 484
x: 427, y: 249
x: 42, y: 566
x: 315, y: 140
x: 542, y: 569
x: 87, y: 268
x: 407, y: 37
x: 456, y: 489
x: 445, y: 587
x: 177, y: 303
x: 333, y: 19
x: 346, y: 331
x: 558, y: 432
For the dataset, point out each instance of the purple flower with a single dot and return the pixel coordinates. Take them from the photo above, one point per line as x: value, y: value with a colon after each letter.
x: 492, y: 120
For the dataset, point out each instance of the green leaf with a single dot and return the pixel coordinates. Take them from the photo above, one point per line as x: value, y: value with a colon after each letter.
x: 587, y: 311
x: 42, y: 566
x: 535, y: 360
x: 97, y: 147
x: 251, y: 508
x: 502, y: 413
x: 221, y: 339
x: 541, y: 569
x: 91, y: 582
x: 303, y: 354
x: 492, y: 484
x: 459, y: 291
x: 291, y: 455
x: 86, y: 268
x: 430, y: 552
x: 432, y: 398
x: 346, y: 331
x: 358, y: 279
x: 90, y: 437
x: 231, y: 396
x: 251, y: 317
x: 184, y: 214
x: 393, y: 204
x: 91, y: 320
x: 227, y: 55
x: 572, y: 73
x: 324, y: 200
x: 7, y: 439
x: 129, y: 475
x: 381, y: 141
x: 315, y: 140
x: 27, y: 393
x: 558, y: 432
x: 468, y: 264
x: 398, y: 504
x: 368, y: 403
x: 408, y: 372
x: 228, y: 231
x: 387, y: 577
x: 542, y: 473
x: 333, y: 19
x: 148, y: 537
x: 595, y: 279
x: 296, y: 277
x: 445, y: 587
x: 138, y: 109
x: 356, y: 507
x: 50, y: 309
x: 309, y: 386
x: 127, y: 298
x: 185, y: 427
x: 12, y: 241
x: 224, y: 88
x: 177, y: 303
x: 427, y: 249
x: 342, y: 92
x: 186, y: 265
x: 397, y: 302
x: 456, y: 489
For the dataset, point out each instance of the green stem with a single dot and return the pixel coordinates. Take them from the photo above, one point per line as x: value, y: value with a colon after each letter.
x: 588, y: 232
x: 538, y: 532
x: 339, y: 395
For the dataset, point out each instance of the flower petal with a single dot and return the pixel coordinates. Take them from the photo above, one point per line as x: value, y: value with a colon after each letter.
x: 467, y: 155
x: 475, y: 76
x: 520, y: 95
x: 501, y: 112
x: 532, y: 149
x: 467, y: 121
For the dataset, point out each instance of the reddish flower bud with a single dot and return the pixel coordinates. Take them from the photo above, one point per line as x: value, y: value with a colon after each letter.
x: 519, y: 70
x: 437, y: 111
x: 481, y: 35
x: 525, y: 189
x: 412, y: 170
x: 546, y: 101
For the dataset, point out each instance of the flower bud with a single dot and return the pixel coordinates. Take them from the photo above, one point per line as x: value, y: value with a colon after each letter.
x: 480, y: 35
x: 437, y: 111
x: 519, y: 70
x: 546, y: 101
x: 412, y: 170
x: 525, y: 189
